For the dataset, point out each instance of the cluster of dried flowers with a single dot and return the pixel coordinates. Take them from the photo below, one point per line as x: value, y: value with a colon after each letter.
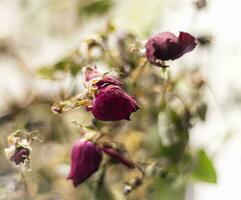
x: 163, y: 106
x: 105, y: 98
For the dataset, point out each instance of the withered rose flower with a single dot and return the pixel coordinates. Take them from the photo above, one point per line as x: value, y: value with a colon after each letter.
x: 85, y: 161
x: 112, y: 104
x: 118, y: 155
x: 166, y: 46
x: 104, y: 97
x: 21, y: 154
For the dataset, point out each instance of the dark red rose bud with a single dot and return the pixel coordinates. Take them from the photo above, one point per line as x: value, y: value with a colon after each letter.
x: 166, y: 46
x: 85, y: 160
x: 20, y: 155
x: 112, y: 104
x: 118, y: 156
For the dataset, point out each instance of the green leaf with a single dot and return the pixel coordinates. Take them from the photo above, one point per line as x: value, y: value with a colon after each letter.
x: 202, y: 111
x: 46, y: 72
x: 204, y: 169
x: 68, y: 65
x: 65, y: 66
x: 167, y: 189
x: 95, y: 7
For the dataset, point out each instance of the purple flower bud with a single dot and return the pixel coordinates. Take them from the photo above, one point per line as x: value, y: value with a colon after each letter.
x: 112, y: 104
x: 85, y: 160
x: 20, y: 155
x: 166, y: 46
x: 118, y: 156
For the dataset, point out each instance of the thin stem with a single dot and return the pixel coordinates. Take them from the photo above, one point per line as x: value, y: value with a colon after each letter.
x: 138, y: 71
x: 165, y: 87
x: 26, y: 188
x: 100, y: 180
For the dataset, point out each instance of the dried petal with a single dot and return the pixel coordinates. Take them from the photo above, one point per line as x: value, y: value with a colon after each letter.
x: 118, y: 155
x: 107, y: 80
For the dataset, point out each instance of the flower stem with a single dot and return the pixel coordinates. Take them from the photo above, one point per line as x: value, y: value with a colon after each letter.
x: 26, y: 188
x: 100, y: 180
x: 166, y: 77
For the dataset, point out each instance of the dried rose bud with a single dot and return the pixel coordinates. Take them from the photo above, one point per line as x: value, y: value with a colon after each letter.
x: 166, y: 46
x: 85, y: 161
x: 118, y: 156
x: 21, y: 154
x: 112, y: 104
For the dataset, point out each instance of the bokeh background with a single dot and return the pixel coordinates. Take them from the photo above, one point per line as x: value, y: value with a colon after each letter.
x: 34, y: 33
